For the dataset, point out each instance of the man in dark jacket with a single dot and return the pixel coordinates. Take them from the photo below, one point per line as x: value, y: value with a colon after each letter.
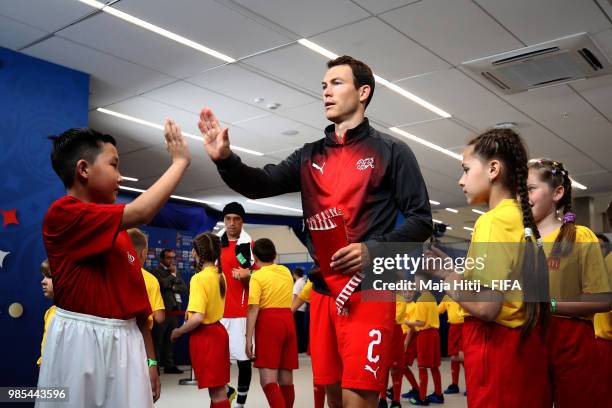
x: 371, y: 177
x: 171, y: 286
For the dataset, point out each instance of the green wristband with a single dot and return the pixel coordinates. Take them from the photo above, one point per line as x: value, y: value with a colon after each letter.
x: 553, y: 305
x: 151, y: 362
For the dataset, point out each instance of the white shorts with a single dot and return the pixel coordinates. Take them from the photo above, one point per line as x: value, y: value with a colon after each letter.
x: 102, y: 362
x: 236, y: 329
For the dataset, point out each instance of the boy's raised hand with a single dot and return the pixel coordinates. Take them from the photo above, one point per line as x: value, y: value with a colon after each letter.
x: 175, y: 142
x: 216, y: 139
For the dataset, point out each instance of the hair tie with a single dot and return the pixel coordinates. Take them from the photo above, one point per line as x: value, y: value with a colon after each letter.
x: 553, y: 171
x: 569, y: 217
x: 528, y: 232
x: 539, y: 242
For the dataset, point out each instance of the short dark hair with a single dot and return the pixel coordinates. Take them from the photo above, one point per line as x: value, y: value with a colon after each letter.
x: 162, y: 254
x: 73, y: 145
x: 299, y: 272
x: 362, y: 74
x: 603, y: 238
x: 45, y: 269
x: 264, y: 249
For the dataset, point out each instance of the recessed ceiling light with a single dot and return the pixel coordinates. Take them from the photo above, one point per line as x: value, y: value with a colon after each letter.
x: 126, y: 178
x: 280, y: 207
x: 477, y: 211
x: 577, y: 184
x: 274, y: 106
x: 160, y: 127
x: 434, y: 202
x: 449, y: 227
x: 157, y: 30
x: 451, y: 210
x: 468, y: 229
x: 505, y: 125
x: 258, y: 100
x: 436, y: 221
x: 426, y: 143
x: 290, y: 132
x: 177, y: 197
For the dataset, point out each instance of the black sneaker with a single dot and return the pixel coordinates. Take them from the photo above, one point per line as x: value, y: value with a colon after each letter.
x: 382, y: 403
x: 231, y: 393
x: 413, y: 393
x: 452, y: 389
x: 434, y: 398
x: 395, y: 404
x: 390, y: 393
x: 418, y: 401
x: 173, y: 370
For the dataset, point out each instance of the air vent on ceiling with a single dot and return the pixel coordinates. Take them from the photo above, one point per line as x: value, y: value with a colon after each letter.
x: 554, y: 62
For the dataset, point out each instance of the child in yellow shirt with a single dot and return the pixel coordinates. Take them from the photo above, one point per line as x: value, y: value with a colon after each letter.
x: 47, y: 287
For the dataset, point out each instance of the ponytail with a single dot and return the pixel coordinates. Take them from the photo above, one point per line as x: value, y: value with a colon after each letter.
x: 208, y: 247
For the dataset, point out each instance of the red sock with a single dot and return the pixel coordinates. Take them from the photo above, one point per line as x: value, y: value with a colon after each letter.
x: 396, y: 377
x: 383, y: 391
x: 423, y: 383
x: 437, y: 379
x: 220, y: 404
x: 410, y: 377
x: 319, y: 396
x: 455, y: 368
x: 274, y: 395
x: 288, y: 394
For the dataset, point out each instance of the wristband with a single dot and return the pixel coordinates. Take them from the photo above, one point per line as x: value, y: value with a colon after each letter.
x: 151, y: 362
x: 553, y: 305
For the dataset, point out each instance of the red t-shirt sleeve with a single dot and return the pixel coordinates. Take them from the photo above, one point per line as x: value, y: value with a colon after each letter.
x: 83, y: 229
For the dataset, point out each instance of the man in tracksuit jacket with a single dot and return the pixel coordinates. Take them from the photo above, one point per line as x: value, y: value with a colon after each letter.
x: 371, y: 177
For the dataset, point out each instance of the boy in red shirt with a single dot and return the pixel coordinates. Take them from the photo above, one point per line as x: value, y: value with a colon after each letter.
x: 102, y: 304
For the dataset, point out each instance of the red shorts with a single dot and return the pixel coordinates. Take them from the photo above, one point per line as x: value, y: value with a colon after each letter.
x: 353, y: 349
x: 428, y: 348
x: 454, y: 339
x: 604, y: 349
x: 275, y: 339
x: 397, y: 347
x: 572, y: 359
x: 502, y: 372
x: 411, y: 350
x: 209, y: 351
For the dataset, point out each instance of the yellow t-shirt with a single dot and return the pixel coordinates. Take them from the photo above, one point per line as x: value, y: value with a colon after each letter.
x: 455, y: 313
x: 603, y: 321
x: 205, y: 295
x: 426, y: 311
x: 48, y: 315
x: 305, y: 293
x: 400, y: 309
x: 408, y: 315
x: 271, y: 286
x: 502, y: 224
x: 153, y: 293
x: 581, y: 271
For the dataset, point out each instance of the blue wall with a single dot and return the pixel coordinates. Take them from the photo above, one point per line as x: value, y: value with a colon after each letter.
x: 37, y: 99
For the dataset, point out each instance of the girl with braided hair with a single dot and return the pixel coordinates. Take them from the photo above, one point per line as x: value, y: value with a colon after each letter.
x: 208, y: 342
x: 579, y: 286
x: 504, y: 353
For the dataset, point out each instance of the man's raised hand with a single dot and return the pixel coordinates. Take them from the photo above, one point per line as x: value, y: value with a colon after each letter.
x: 216, y: 139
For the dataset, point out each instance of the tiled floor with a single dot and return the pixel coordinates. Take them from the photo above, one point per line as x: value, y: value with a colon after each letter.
x: 187, y: 396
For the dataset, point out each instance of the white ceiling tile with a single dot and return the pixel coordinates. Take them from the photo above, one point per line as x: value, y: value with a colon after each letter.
x: 271, y: 128
x: 306, y: 18
x: 312, y: 114
x: 380, y: 6
x: 578, y: 164
x: 295, y: 64
x: 393, y: 109
x: 104, y: 94
x: 15, y: 35
x: 106, y: 68
x: 389, y: 53
x: 114, y: 36
x: 244, y: 85
x: 456, y: 30
x: 207, y: 22
x: 44, y: 14
x: 544, y: 20
x: 192, y: 99
x: 598, y: 91
x: 443, y: 132
x: 452, y: 91
x: 130, y: 136
x: 596, y: 182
